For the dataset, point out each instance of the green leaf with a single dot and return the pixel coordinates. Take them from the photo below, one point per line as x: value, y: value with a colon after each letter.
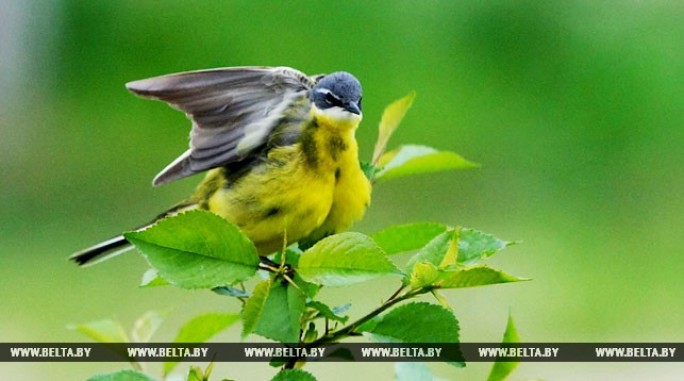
x: 344, y: 259
x: 423, y: 274
x: 327, y: 312
x: 195, y: 373
x: 410, y: 160
x: 146, y: 326
x: 308, y: 288
x: 293, y: 375
x: 274, y: 311
x: 200, y: 329
x: 441, y: 299
x: 254, y: 307
x: 104, y: 331
x: 292, y: 255
x: 413, y: 323
x: 474, y: 245
x: 282, y: 313
x: 389, y: 122
x: 369, y: 170
x: 412, y: 371
x: 203, y: 327
x: 122, y: 375
x: 402, y: 238
x: 474, y: 276
x: 152, y: 279
x: 501, y: 369
x: 197, y: 249
x: 438, y: 251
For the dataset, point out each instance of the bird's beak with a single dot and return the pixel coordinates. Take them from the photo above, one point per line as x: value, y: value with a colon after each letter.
x: 353, y: 108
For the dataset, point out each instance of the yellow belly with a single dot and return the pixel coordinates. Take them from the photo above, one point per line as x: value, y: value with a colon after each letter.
x: 279, y: 200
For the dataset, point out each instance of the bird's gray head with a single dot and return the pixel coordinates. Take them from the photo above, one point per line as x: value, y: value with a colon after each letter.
x: 339, y: 89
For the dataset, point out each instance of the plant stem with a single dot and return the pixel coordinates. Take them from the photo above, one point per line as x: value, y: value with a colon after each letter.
x: 346, y: 331
x: 350, y: 329
x: 396, y: 293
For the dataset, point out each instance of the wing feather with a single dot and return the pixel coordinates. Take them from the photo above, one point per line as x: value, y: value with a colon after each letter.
x: 233, y: 111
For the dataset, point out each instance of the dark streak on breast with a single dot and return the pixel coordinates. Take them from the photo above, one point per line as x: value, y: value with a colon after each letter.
x: 272, y: 211
x: 309, y: 146
x: 336, y: 146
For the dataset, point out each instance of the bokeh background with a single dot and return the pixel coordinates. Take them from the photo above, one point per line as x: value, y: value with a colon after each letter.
x: 574, y: 109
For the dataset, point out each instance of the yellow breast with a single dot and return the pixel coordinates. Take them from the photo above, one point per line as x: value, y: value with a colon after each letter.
x: 352, y: 190
x: 312, y: 188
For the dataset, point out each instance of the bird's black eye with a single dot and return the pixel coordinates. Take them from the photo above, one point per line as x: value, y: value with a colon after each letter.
x: 331, y: 99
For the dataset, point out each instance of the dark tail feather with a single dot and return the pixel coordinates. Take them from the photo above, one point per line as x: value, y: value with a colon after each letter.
x: 101, y: 251
x: 118, y: 245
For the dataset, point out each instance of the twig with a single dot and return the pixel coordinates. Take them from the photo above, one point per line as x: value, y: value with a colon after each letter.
x: 350, y: 330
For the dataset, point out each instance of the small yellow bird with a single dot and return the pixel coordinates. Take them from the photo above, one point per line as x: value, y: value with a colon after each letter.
x: 279, y: 147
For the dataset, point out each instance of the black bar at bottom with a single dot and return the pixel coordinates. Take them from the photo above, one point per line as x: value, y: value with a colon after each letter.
x: 344, y: 352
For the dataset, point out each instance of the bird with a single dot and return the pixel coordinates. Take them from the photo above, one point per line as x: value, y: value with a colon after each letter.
x: 278, y: 147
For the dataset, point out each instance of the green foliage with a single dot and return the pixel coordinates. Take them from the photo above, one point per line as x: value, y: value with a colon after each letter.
x: 345, y: 259
x: 441, y: 250
x: 479, y: 275
x: 330, y: 313
x: 412, y: 371
x: 369, y: 170
x: 200, y: 250
x: 410, y: 160
x: 111, y: 331
x: 294, y: 375
x: 406, y: 160
x: 413, y: 323
x: 151, y: 279
x: 389, y: 122
x: 146, y: 326
x: 273, y: 311
x: 416, y: 371
x: 197, y: 249
x: 200, y: 329
x: 501, y: 369
x: 423, y: 274
x: 197, y: 374
x: 203, y: 327
x: 122, y: 375
x: 474, y: 245
x: 103, y: 331
x: 254, y: 307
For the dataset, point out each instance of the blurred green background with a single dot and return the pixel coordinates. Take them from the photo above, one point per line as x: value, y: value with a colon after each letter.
x: 574, y: 109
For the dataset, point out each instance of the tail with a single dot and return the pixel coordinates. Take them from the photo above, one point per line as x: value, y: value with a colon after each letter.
x: 118, y: 245
x: 102, y: 251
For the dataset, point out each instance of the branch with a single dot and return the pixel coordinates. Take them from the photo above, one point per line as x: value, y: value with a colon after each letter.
x: 350, y: 330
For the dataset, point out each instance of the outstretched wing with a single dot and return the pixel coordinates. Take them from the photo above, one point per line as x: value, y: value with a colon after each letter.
x: 233, y: 111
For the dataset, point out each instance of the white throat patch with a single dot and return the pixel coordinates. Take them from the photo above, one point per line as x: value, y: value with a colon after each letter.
x: 339, y: 115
